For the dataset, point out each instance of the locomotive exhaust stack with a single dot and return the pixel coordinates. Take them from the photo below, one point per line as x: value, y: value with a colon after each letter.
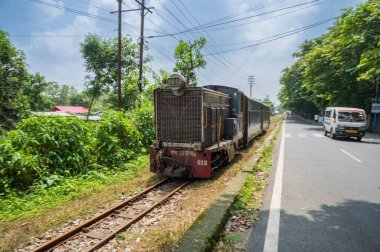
x: 177, y: 83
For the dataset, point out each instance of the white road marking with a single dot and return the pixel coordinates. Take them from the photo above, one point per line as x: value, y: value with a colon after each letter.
x: 273, y: 226
x: 288, y: 135
x: 302, y: 135
x: 318, y: 135
x: 351, y: 156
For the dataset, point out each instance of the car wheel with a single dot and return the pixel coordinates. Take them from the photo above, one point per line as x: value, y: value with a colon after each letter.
x: 358, y: 139
x: 332, y: 135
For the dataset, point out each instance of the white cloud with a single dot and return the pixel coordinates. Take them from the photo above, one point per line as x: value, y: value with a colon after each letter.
x: 58, y: 57
x: 51, y: 13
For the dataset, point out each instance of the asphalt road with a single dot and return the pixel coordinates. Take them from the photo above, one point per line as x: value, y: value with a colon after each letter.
x: 327, y: 198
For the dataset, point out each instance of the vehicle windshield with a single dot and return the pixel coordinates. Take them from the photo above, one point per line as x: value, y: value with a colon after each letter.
x: 351, y: 116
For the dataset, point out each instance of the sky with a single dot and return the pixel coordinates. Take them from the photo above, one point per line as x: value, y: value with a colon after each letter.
x: 244, y: 37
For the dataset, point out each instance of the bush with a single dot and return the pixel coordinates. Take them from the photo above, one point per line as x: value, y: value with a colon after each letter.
x: 42, y: 146
x: 17, y: 169
x: 117, y: 139
x: 46, y: 150
x: 144, y: 121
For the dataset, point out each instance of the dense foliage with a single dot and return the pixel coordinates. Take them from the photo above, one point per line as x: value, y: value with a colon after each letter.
x: 42, y: 147
x: 101, y: 59
x: 13, y: 79
x: 189, y: 58
x: 340, y: 68
x: 22, y: 92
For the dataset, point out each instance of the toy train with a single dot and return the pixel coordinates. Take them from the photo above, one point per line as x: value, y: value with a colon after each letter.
x: 200, y: 128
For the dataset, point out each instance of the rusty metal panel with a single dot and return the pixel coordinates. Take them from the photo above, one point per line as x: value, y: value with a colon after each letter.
x: 179, y: 118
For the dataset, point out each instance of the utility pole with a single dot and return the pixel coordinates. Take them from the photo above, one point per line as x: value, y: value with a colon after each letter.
x: 119, y: 11
x: 191, y: 62
x: 141, y: 45
x: 141, y: 42
x: 119, y: 55
x: 251, y: 82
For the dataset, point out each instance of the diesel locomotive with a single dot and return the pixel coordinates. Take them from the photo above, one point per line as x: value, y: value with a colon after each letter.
x: 200, y: 128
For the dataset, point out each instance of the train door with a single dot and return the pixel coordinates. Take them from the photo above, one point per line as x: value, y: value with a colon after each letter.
x: 214, y: 127
x: 208, y: 126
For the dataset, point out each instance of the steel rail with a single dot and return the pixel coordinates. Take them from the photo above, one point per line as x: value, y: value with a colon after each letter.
x: 137, y: 218
x: 74, y: 231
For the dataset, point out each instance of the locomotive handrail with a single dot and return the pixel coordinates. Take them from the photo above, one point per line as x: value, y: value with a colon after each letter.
x: 205, y: 126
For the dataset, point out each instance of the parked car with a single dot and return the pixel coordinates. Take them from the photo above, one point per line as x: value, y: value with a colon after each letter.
x: 345, y: 122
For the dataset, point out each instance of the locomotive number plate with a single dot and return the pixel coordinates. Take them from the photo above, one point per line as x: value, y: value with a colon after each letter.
x: 202, y: 162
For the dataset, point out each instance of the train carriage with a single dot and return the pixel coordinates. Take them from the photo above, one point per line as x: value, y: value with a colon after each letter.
x: 200, y: 128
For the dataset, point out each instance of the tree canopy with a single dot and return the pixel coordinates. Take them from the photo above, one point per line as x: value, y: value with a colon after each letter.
x: 340, y: 68
x: 101, y: 59
x: 20, y: 91
x: 189, y: 58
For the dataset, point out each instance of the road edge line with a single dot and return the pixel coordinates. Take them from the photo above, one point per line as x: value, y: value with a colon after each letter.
x: 273, y: 225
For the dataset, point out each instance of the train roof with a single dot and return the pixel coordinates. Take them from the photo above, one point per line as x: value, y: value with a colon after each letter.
x: 214, y: 87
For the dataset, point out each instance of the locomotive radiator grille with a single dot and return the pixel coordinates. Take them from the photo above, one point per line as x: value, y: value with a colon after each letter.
x: 179, y: 118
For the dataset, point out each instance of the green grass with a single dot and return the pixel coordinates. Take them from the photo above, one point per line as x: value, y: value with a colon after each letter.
x: 248, y: 202
x: 42, y: 197
x: 245, y: 203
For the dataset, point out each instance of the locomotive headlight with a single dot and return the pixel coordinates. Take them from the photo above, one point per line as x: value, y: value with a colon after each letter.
x: 176, y: 83
x: 197, y: 146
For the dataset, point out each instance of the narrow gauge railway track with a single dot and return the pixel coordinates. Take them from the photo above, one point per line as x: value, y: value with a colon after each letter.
x: 97, y: 231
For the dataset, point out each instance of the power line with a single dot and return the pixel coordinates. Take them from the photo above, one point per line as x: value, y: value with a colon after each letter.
x: 232, y: 21
x: 54, y: 36
x: 263, y: 19
x: 222, y: 63
x: 91, y: 5
x: 85, y: 13
x: 226, y: 58
x: 276, y: 37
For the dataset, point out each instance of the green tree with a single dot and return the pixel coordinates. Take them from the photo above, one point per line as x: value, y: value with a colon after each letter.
x: 189, y: 58
x: 158, y: 82
x: 13, y: 78
x: 101, y: 59
x: 64, y: 95
x: 340, y: 68
x: 35, y: 91
x: 268, y: 102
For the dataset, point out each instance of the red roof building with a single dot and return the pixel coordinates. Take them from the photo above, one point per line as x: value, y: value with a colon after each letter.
x: 71, y: 109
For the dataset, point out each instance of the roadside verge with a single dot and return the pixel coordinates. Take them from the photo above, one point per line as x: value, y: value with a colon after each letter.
x: 203, y: 233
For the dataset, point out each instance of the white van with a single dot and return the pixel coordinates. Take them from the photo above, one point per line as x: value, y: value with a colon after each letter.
x: 345, y: 122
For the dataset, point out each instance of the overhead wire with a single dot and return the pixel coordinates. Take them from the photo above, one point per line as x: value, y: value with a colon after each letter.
x: 91, y: 5
x: 180, y: 22
x: 277, y: 36
x: 263, y: 19
x: 232, y: 21
x: 245, y: 11
x: 227, y: 59
x: 83, y: 13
